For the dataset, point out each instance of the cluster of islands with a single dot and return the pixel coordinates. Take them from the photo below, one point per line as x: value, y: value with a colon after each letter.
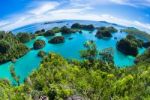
x: 15, y: 46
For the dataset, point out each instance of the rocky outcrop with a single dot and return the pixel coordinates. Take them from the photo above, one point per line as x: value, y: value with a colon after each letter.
x: 38, y: 44
x: 57, y: 40
x: 127, y: 47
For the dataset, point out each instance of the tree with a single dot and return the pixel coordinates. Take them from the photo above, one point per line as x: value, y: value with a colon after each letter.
x: 107, y: 55
x: 41, y: 53
x: 24, y: 37
x: 14, y: 76
x: 65, y: 30
x: 91, y: 51
x: 49, y: 33
x: 4, y: 46
x: 57, y: 40
x: 38, y: 44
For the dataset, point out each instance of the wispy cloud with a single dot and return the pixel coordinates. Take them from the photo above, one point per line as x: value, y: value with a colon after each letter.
x: 133, y: 3
x: 50, y: 10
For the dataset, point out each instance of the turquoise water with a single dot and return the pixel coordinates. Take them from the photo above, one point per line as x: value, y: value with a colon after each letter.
x: 70, y: 49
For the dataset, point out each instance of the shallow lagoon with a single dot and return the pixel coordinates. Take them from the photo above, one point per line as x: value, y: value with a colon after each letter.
x: 70, y: 49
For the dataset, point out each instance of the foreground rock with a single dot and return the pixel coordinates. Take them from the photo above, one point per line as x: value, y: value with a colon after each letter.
x: 38, y: 44
x: 57, y: 40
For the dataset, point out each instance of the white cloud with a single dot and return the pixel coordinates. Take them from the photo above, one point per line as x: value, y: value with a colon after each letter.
x: 47, y: 12
x: 134, y: 23
x: 44, y: 7
x: 133, y: 3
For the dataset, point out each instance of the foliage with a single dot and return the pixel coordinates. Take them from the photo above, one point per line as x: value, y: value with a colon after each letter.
x: 14, y: 76
x: 85, y: 27
x: 60, y: 79
x: 49, y: 33
x: 57, y: 40
x: 57, y: 79
x: 24, y: 37
x: 91, y: 51
x: 40, y: 32
x: 144, y: 57
x: 65, y: 30
x: 41, y: 53
x: 10, y: 47
x: 129, y: 45
x: 4, y: 46
x: 105, y: 32
x: 52, y: 31
x: 38, y: 44
x: 136, y: 32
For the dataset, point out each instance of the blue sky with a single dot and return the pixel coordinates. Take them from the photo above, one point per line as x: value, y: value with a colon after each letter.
x: 17, y: 13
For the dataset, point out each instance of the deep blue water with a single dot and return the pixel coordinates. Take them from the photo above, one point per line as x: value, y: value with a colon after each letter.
x: 70, y: 49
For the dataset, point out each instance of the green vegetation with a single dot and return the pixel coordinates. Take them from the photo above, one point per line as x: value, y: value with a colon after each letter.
x: 65, y: 30
x: 41, y: 53
x: 51, y: 32
x: 144, y: 57
x: 129, y: 45
x: 24, y: 37
x: 136, y: 32
x: 85, y: 27
x: 57, y: 40
x: 105, y: 32
x: 40, y: 32
x: 91, y: 51
x: 14, y: 76
x: 38, y: 44
x: 58, y: 79
x: 93, y: 78
x: 10, y: 47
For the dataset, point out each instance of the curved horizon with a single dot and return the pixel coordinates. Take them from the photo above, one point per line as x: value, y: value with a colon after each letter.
x: 123, y: 12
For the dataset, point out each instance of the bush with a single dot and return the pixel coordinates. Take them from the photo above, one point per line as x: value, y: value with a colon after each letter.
x: 38, y: 44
